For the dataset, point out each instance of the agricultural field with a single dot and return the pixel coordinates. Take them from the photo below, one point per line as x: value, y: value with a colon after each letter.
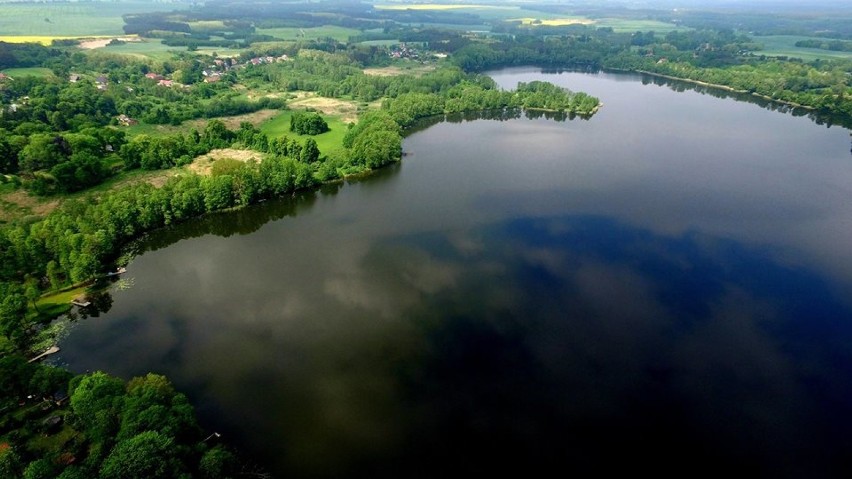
x: 340, y: 34
x: 77, y: 19
x: 156, y: 50
x: 554, y: 22
x: 636, y: 25
x: 617, y: 24
x: 146, y: 48
x: 785, y: 45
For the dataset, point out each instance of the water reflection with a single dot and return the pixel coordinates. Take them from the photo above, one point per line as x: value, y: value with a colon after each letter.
x: 680, y: 86
x: 571, y: 341
x: 654, y: 287
x: 818, y: 117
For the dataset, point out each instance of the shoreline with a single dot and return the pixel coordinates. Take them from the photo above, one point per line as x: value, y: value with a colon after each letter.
x: 719, y: 87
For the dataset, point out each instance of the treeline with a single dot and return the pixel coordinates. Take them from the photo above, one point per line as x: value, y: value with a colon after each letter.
x: 62, y: 162
x: 77, y: 240
x: 100, y: 427
x: 15, y: 55
x: 720, y: 58
x: 831, y: 45
x: 407, y: 108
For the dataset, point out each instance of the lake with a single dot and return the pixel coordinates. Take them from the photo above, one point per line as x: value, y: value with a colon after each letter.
x: 665, y: 286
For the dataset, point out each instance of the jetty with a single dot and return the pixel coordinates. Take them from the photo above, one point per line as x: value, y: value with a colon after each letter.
x: 117, y: 272
x: 52, y: 350
x: 81, y: 302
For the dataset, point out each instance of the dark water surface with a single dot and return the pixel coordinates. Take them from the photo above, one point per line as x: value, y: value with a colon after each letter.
x: 663, y: 287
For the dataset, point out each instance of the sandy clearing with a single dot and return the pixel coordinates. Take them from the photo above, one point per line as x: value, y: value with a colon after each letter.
x: 25, y: 201
x: 102, y: 42
x: 204, y: 163
x: 396, y: 71
x: 346, y: 110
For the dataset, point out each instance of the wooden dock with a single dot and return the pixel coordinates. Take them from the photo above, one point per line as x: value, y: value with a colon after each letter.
x: 81, y: 304
x: 117, y: 272
x: 53, y: 350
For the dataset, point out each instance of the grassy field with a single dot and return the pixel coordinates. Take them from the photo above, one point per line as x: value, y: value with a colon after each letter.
x: 440, y: 6
x: 28, y: 72
x: 292, y: 33
x: 147, y: 48
x: 554, y: 22
x: 785, y: 45
x: 327, y: 142
x: 380, y: 43
x: 631, y: 25
x: 71, y: 18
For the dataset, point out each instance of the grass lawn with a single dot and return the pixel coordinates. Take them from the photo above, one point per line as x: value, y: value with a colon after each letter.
x: 52, y: 442
x: 28, y: 72
x: 785, y: 45
x: 327, y: 142
x: 293, y: 33
x: 60, y: 300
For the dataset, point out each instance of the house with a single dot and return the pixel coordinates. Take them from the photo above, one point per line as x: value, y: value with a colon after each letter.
x: 125, y: 120
x: 213, y: 78
x: 166, y: 83
x: 101, y: 80
x: 74, y: 78
x: 154, y: 76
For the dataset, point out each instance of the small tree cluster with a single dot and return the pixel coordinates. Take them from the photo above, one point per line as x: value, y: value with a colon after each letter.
x: 307, y: 123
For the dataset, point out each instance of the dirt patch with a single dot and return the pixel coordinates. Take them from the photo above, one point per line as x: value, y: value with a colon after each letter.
x: 233, y: 122
x: 346, y: 110
x: 102, y: 42
x: 255, y: 95
x: 204, y: 163
x: 20, y: 203
x: 396, y: 71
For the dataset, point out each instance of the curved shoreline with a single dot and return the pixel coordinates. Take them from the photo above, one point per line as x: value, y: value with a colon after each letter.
x: 717, y: 87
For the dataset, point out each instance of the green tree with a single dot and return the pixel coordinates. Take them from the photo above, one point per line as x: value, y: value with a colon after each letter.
x: 377, y: 148
x: 149, y: 455
x: 218, y: 463
x: 307, y: 123
x: 96, y: 400
x: 40, y: 469
x: 310, y: 151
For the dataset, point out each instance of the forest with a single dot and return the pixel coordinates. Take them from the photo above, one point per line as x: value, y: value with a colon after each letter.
x: 98, y: 119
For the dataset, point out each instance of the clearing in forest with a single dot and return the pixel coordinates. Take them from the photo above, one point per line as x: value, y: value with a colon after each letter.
x: 203, y: 165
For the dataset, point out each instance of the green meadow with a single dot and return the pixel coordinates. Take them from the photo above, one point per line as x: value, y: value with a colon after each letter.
x: 785, y: 45
x: 28, y: 72
x: 340, y: 34
x: 327, y: 142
